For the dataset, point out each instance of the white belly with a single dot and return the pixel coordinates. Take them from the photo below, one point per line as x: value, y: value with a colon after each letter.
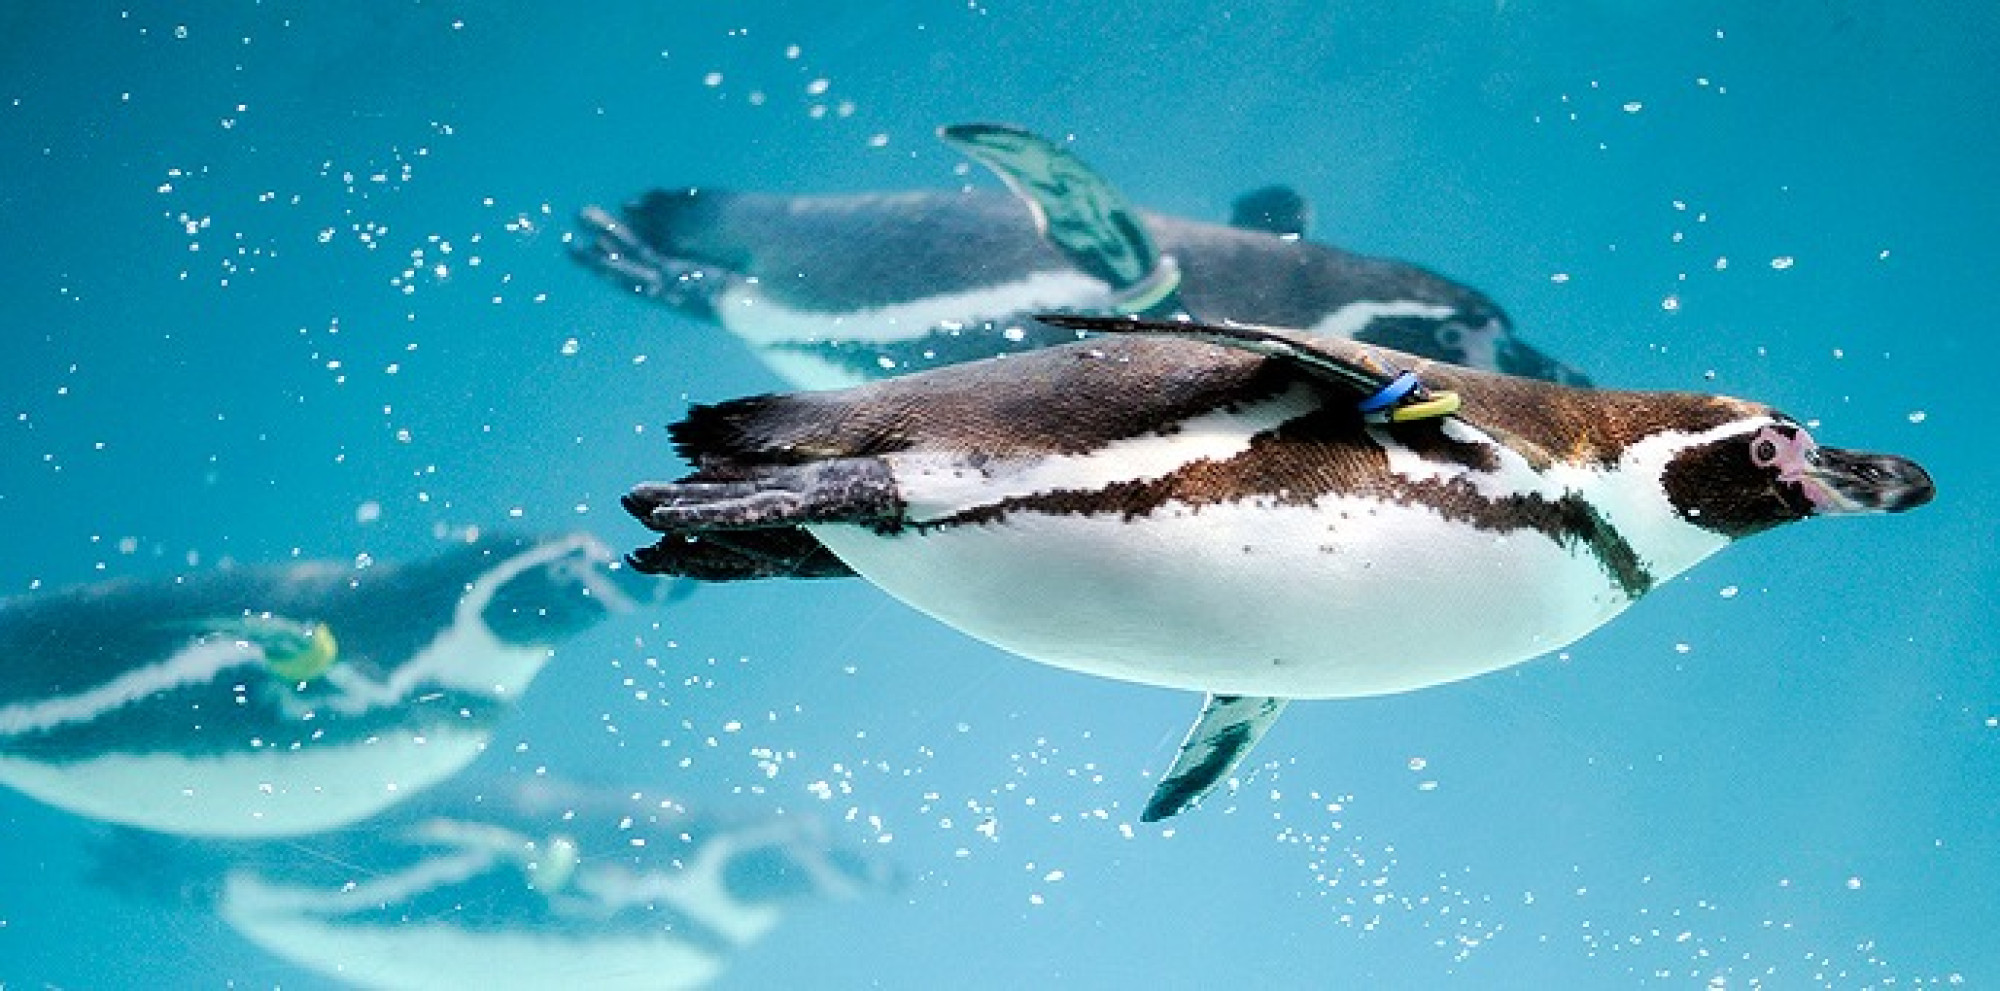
x: 1338, y: 599
x: 429, y: 955
x: 433, y: 956
x: 256, y: 794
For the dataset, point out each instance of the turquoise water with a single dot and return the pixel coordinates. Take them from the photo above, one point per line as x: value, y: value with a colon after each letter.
x: 1777, y: 771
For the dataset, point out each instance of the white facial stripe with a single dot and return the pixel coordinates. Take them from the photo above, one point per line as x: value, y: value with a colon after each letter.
x: 394, y: 888
x: 466, y: 655
x: 1633, y: 500
x: 755, y: 317
x: 1356, y: 316
x: 698, y: 888
x: 199, y: 663
x: 1481, y: 345
x: 935, y: 485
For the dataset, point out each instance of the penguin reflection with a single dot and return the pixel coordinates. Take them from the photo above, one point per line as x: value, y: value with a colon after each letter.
x: 262, y: 701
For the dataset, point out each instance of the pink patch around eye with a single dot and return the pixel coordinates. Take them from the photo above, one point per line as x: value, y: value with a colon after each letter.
x: 1793, y: 457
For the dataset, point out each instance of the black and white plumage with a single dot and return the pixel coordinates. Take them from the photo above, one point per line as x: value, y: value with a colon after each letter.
x: 518, y: 884
x: 277, y: 700
x: 1205, y: 508
x: 839, y: 290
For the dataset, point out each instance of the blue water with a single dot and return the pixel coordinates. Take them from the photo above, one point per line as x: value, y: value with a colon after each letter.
x: 1781, y: 770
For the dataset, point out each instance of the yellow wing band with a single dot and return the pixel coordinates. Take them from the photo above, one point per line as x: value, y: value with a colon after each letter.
x: 1439, y: 404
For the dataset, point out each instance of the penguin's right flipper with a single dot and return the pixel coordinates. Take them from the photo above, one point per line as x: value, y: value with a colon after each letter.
x: 1229, y: 726
x: 610, y: 247
x: 1078, y: 211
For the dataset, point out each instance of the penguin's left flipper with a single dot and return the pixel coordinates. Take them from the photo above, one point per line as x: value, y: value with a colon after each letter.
x: 1296, y: 348
x: 1229, y: 726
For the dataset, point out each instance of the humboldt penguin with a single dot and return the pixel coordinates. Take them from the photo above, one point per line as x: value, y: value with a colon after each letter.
x: 834, y: 291
x: 262, y: 701
x: 1252, y: 513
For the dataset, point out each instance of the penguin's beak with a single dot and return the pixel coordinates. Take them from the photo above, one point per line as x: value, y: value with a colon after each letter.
x: 1842, y: 481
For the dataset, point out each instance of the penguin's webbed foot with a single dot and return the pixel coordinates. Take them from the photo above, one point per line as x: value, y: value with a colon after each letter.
x: 846, y: 490
x: 740, y: 555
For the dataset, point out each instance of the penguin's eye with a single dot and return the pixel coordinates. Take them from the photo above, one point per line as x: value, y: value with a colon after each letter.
x: 1451, y: 335
x: 1764, y: 451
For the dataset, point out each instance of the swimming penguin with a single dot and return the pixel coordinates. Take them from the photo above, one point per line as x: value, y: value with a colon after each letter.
x: 265, y: 701
x: 836, y: 291
x: 540, y: 884
x: 1247, y: 512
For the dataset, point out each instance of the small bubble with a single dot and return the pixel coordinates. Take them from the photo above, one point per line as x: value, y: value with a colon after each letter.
x: 1634, y: 107
x: 570, y: 346
x: 1418, y: 763
x: 1729, y: 591
x: 712, y: 79
x: 1854, y: 884
x: 368, y: 512
x: 1559, y: 278
x: 1918, y: 416
x: 1782, y: 262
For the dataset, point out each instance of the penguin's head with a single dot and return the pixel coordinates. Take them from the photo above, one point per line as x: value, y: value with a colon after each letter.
x: 1474, y: 333
x: 1772, y: 472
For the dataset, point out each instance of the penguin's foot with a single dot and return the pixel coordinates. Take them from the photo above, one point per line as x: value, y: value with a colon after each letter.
x: 609, y: 247
x: 740, y: 555
x: 846, y: 490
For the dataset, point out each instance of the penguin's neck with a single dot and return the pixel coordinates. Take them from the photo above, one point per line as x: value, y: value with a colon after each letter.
x: 1630, y: 496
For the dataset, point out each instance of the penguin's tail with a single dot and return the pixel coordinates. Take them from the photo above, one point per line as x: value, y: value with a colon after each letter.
x: 156, y: 868
x: 661, y: 246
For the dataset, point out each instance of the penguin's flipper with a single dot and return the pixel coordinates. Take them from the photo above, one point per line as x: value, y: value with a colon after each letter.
x: 1296, y: 348
x: 1229, y: 726
x: 611, y: 248
x: 1078, y: 212
x: 1277, y: 210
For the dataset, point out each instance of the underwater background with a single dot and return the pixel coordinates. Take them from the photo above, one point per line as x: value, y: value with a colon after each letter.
x: 235, y: 332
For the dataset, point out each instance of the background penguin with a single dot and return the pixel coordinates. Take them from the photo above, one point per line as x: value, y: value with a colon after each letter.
x: 265, y: 701
x: 838, y: 290
x: 1253, y: 520
x: 523, y: 884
